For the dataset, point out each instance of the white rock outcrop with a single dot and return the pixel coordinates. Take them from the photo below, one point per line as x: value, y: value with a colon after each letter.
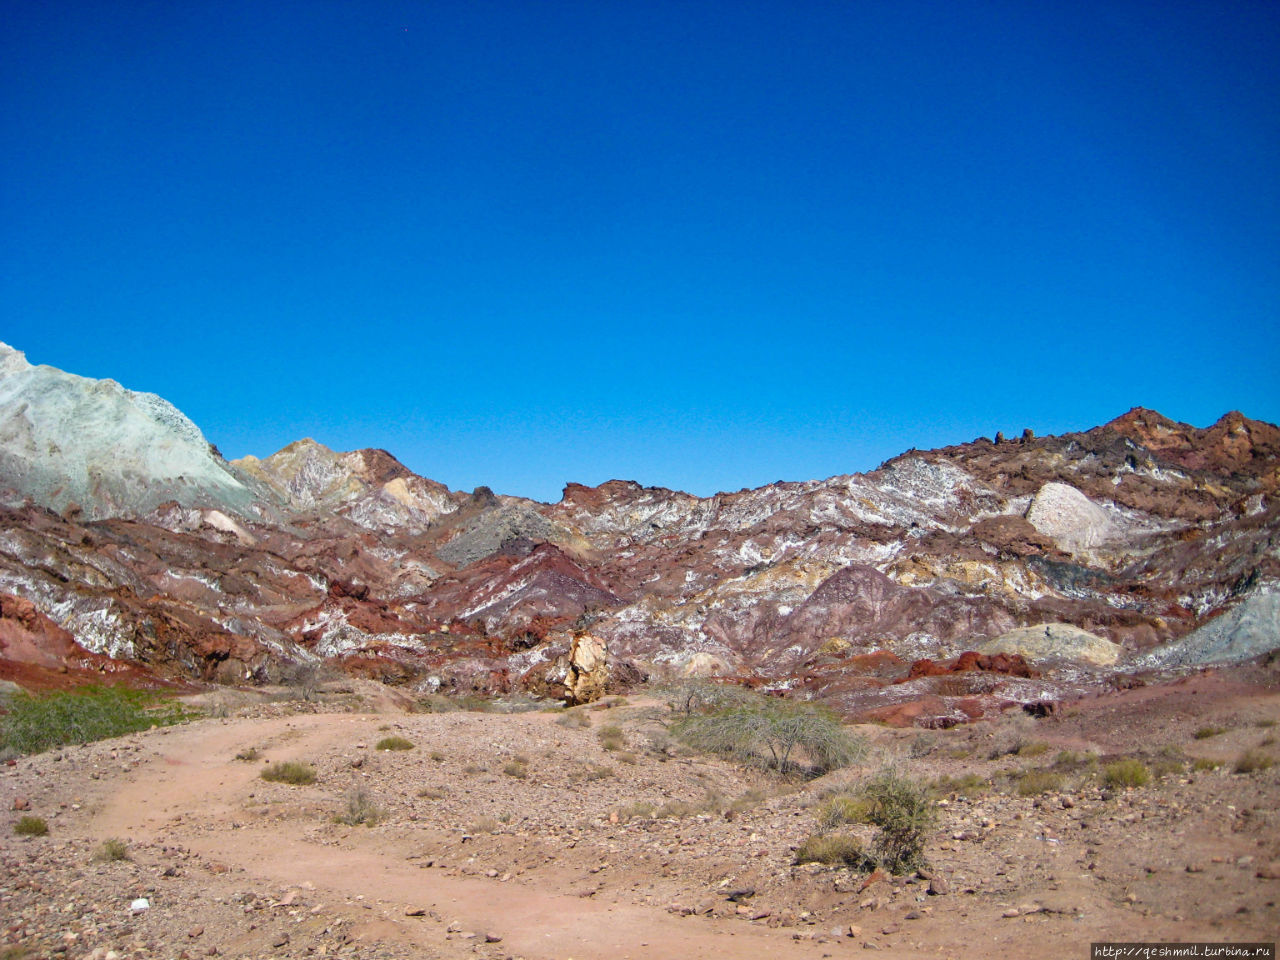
x: 1073, y: 520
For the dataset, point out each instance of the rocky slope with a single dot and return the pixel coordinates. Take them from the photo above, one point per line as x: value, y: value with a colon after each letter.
x: 1136, y: 546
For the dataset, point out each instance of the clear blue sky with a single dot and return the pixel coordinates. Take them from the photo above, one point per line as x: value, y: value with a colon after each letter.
x: 699, y: 245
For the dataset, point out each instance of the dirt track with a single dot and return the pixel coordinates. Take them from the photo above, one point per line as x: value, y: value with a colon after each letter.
x: 543, y: 865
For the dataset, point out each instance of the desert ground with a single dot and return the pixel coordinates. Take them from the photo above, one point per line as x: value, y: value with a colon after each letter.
x: 550, y: 834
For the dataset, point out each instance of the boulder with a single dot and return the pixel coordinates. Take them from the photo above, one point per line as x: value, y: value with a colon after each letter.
x: 588, y: 673
x: 1054, y: 642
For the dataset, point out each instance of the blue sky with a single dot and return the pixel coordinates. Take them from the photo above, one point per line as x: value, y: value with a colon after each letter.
x: 697, y: 245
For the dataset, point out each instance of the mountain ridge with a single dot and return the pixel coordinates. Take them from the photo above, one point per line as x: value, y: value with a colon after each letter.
x: 1138, y: 532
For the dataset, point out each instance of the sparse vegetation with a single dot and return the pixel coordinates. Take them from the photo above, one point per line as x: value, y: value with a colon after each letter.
x: 1205, y: 732
x: 1126, y: 773
x: 37, y: 723
x: 690, y: 697
x: 437, y: 756
x: 612, y: 737
x: 290, y: 771
x: 968, y: 785
x: 432, y: 793
x: 772, y: 732
x: 904, y: 812
x: 361, y: 808
x: 249, y: 755
x: 1032, y: 783
x: 1252, y: 761
x: 572, y: 719
x: 1203, y: 764
x: 841, y: 809
x: 394, y: 743
x: 833, y: 848
x: 31, y: 827
x: 1033, y: 748
x: 485, y: 825
x: 641, y: 810
x: 516, y: 769
x: 112, y: 850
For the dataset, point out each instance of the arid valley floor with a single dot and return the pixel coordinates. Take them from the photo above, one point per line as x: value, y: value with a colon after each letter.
x: 521, y: 835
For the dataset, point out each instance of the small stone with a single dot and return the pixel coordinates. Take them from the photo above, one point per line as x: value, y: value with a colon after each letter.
x: 140, y: 905
x: 492, y: 938
x: 195, y: 932
x: 1269, y: 871
x: 415, y: 911
x: 938, y: 886
x: 890, y: 929
x: 280, y: 940
x: 1194, y: 868
x: 913, y: 915
x: 21, y: 803
x: 1010, y: 913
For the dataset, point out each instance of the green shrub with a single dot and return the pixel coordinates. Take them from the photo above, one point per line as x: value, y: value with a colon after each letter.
x: 771, y: 731
x: 833, y: 848
x: 437, y: 756
x: 37, y: 723
x: 31, y: 827
x: 290, y: 771
x: 1126, y: 773
x: 112, y: 849
x: 516, y: 769
x: 1204, y: 733
x: 361, y: 808
x: 904, y: 812
x: 1251, y: 761
x: 1202, y: 764
x: 1033, y: 748
x: 1034, y: 782
x: 393, y: 743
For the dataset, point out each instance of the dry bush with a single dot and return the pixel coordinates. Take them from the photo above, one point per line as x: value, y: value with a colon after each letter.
x: 612, y: 737
x: 361, y: 808
x: 842, y: 809
x: 290, y: 771
x: 1032, y: 783
x: 574, y: 719
x: 1211, y: 730
x: 394, y: 743
x: 31, y: 827
x: 516, y: 769
x: 1126, y: 773
x: 834, y: 849
x: 1252, y: 761
x: 113, y: 849
x: 249, y: 755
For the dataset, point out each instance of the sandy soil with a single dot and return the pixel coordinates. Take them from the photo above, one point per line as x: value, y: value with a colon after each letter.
x: 523, y: 836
